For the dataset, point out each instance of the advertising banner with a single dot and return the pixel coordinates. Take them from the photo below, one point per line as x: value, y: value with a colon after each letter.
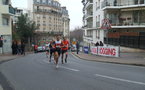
x: 111, y: 51
x: 94, y: 50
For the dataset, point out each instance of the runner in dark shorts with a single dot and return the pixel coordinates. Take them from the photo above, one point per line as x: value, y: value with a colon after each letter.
x: 52, y: 49
x: 57, y: 52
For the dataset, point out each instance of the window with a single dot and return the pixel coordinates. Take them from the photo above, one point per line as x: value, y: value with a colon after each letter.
x: 6, y: 2
x: 44, y: 1
x: 98, y: 34
x: 96, y: 4
x: 138, y: 16
x: 38, y: 0
x: 5, y: 21
x: 99, y: 18
x: 142, y: 1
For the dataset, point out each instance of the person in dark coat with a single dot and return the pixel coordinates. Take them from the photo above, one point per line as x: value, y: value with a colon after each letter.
x: 77, y: 46
x: 14, y: 48
x: 23, y: 48
x: 101, y: 43
x: 97, y: 44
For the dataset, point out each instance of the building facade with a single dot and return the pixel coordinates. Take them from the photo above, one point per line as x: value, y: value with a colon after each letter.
x: 126, y: 18
x: 92, y: 21
x: 50, y: 17
x: 6, y: 11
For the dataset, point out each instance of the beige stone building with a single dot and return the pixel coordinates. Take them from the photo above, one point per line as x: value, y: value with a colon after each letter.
x: 50, y: 17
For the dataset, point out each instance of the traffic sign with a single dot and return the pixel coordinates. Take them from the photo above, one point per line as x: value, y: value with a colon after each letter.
x: 106, y: 24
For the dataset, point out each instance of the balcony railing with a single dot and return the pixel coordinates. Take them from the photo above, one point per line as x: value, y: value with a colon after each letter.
x: 11, y: 10
x: 88, y: 36
x: 89, y: 2
x: 47, y: 11
x: 106, y: 3
x: 97, y: 24
x: 88, y: 15
x: 127, y: 24
x: 89, y: 25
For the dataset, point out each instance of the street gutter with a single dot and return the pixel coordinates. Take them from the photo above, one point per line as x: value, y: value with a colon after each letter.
x: 134, y: 64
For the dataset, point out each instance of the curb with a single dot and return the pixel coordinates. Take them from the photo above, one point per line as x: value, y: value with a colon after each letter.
x: 134, y: 64
x: 6, y: 60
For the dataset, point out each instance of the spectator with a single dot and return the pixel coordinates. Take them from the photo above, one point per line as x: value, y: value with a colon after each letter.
x: 14, y: 48
x: 23, y: 48
x: 77, y: 46
x: 101, y: 43
x: 35, y: 48
x: 97, y: 44
x: 19, y: 49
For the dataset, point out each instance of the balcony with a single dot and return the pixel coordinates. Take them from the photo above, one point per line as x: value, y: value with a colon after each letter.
x: 97, y: 24
x: 121, y: 4
x: 89, y: 4
x: 88, y: 38
x: 11, y: 10
x: 89, y: 15
x: 90, y: 25
x: 47, y: 11
x: 7, y: 10
x: 127, y: 24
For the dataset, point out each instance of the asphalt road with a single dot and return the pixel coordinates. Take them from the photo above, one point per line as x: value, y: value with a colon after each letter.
x: 33, y: 72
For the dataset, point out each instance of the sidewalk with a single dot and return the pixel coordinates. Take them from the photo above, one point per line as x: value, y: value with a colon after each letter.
x: 7, y: 57
x: 137, y: 59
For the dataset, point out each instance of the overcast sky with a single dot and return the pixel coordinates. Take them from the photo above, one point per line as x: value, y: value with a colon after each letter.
x: 74, y: 7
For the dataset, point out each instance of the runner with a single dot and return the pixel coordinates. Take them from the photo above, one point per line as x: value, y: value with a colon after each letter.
x: 57, y: 52
x: 65, y: 45
x: 52, y: 49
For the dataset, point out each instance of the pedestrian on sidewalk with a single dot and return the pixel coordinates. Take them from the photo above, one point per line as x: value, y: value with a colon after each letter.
x: 101, y: 43
x: 23, y: 48
x: 97, y: 44
x: 77, y: 46
x: 14, y: 48
x: 19, y: 49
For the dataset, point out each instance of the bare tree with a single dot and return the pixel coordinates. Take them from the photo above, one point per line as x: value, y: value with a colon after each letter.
x: 77, y: 33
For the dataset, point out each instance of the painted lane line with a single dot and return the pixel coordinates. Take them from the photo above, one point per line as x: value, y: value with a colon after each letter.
x: 119, y: 79
x: 46, y: 61
x: 1, y: 87
x: 70, y: 69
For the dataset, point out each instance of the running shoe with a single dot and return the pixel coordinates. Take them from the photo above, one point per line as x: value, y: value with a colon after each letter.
x: 57, y: 66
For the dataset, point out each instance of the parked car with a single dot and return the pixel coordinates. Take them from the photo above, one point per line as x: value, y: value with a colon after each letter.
x: 73, y: 49
x: 41, y: 49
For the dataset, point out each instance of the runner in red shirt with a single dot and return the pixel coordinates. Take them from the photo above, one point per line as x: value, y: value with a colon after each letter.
x: 64, y: 48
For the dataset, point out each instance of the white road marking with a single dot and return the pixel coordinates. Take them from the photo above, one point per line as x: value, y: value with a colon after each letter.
x: 119, y: 79
x: 46, y: 61
x: 1, y: 87
x: 70, y: 69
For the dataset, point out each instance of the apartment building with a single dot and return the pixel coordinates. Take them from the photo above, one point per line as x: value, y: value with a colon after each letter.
x: 6, y: 11
x: 125, y: 16
x: 92, y: 20
x: 50, y: 17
